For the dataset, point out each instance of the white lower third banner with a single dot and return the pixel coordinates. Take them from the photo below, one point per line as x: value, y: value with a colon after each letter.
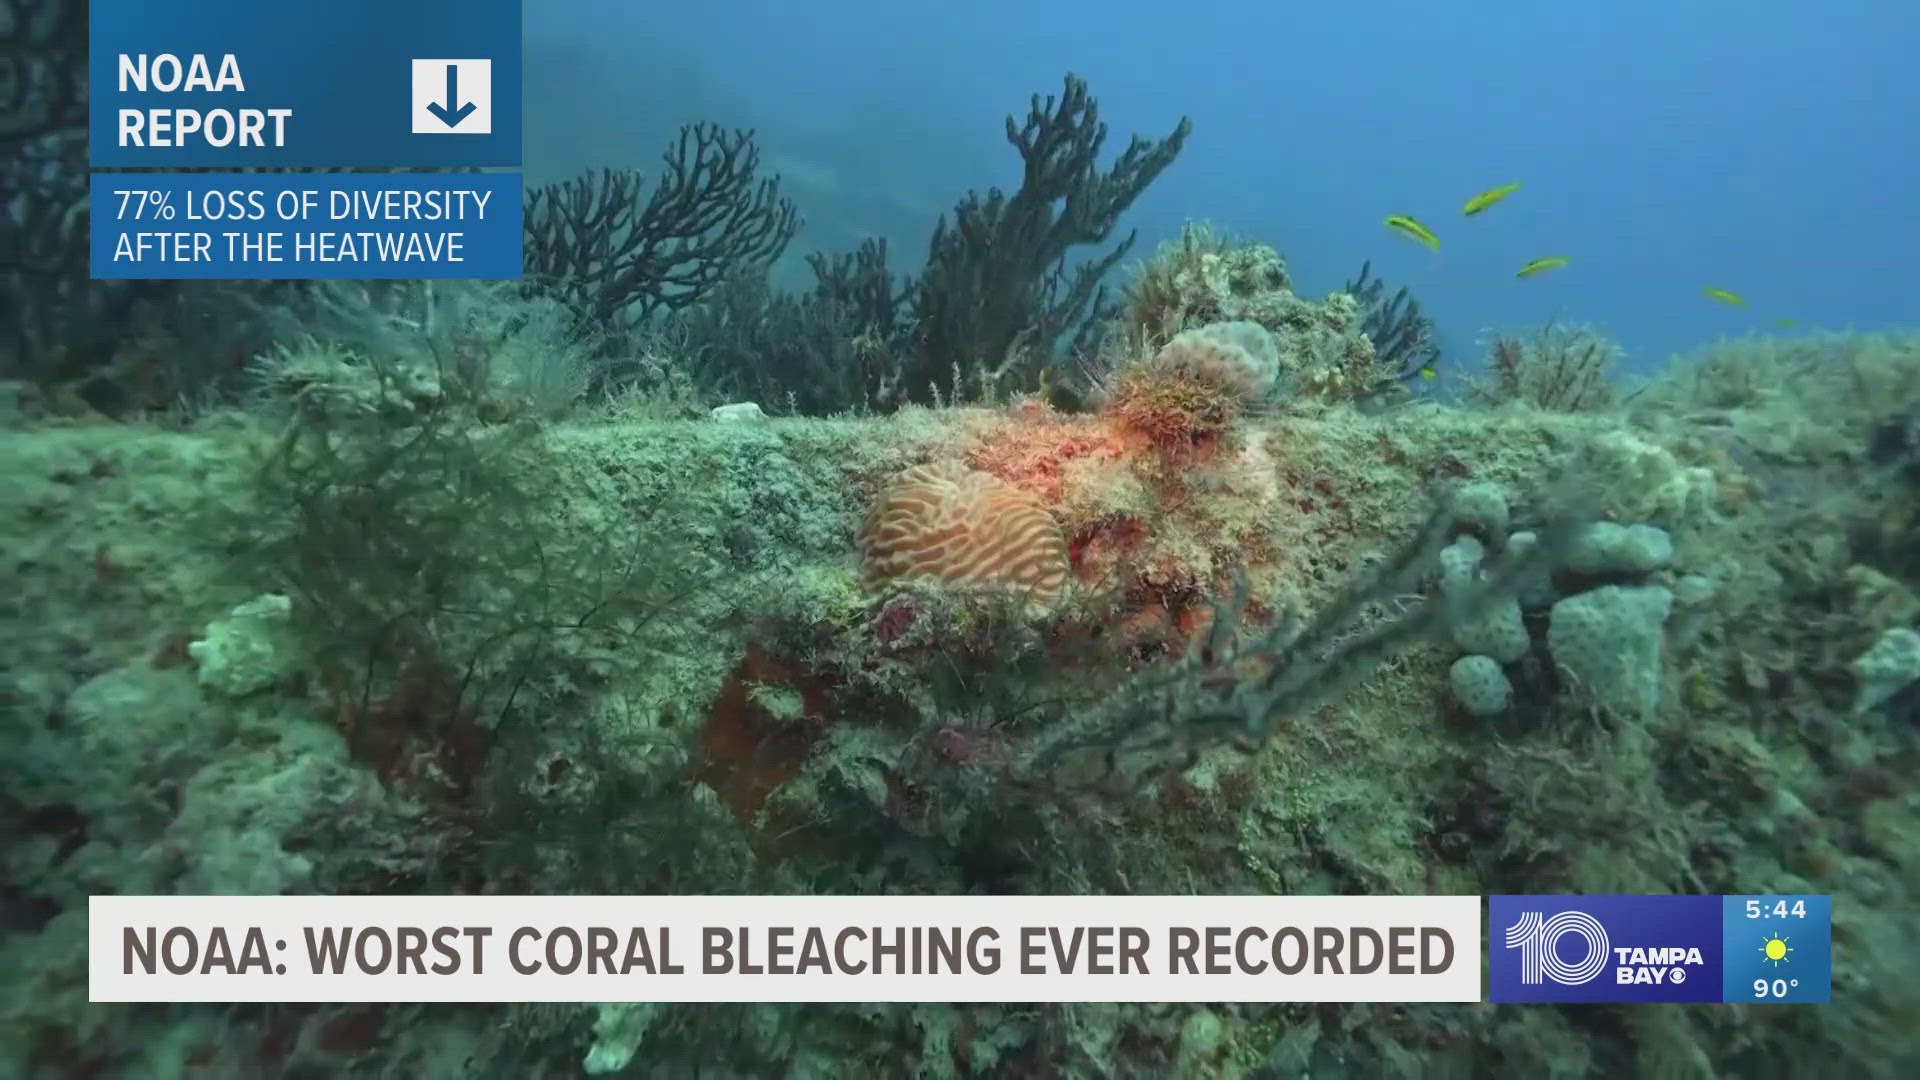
x: 784, y: 948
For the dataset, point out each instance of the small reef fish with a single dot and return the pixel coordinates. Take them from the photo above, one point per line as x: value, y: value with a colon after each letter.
x: 1428, y: 373
x: 1783, y: 324
x: 1488, y: 198
x: 1725, y: 296
x: 1541, y: 266
x: 1412, y: 229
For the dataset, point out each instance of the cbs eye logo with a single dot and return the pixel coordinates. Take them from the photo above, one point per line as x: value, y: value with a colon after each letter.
x: 1538, y: 939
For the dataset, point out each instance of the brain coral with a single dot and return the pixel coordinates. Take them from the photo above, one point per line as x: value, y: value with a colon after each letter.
x: 1238, y: 357
x: 964, y: 527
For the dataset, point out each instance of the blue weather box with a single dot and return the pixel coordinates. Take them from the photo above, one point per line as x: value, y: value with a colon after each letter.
x: 1626, y: 948
x: 335, y: 83
x: 1779, y: 948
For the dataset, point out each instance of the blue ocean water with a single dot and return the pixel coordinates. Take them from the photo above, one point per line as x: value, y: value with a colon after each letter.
x: 1663, y: 147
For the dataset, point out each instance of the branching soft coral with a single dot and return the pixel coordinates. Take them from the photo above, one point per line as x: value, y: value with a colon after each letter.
x: 1233, y: 691
x: 996, y: 295
x: 620, y: 259
x: 1402, y: 335
x: 1558, y: 368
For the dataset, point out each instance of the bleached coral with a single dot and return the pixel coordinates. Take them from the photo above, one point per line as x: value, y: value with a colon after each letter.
x: 1608, y: 547
x: 1481, y: 506
x: 1611, y: 641
x: 1203, y: 277
x: 738, y: 412
x: 618, y: 1030
x: 245, y: 650
x: 1322, y: 350
x: 1500, y: 632
x: 1536, y: 591
x: 1240, y: 358
x: 1649, y: 481
x: 1480, y: 686
x: 1892, y: 664
x: 1460, y: 564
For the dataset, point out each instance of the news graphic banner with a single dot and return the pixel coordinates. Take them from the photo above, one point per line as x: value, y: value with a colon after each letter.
x: 304, y: 83
x: 241, y: 86
x: 1726, y: 949
x: 784, y: 948
x: 305, y: 225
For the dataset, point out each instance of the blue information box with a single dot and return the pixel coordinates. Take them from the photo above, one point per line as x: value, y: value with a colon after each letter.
x: 306, y: 225
x: 306, y: 83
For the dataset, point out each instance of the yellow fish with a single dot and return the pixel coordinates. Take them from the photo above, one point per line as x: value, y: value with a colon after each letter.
x: 1488, y: 198
x: 1541, y: 266
x: 1783, y: 324
x: 1725, y: 296
x: 1408, y: 227
x: 1428, y: 373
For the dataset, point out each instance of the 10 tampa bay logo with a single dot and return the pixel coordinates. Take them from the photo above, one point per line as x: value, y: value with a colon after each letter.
x: 1604, y: 948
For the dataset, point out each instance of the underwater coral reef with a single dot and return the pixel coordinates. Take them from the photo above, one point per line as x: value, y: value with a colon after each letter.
x: 591, y: 585
x: 387, y: 632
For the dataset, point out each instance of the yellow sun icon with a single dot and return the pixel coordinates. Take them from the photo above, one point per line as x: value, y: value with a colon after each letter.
x: 1775, y: 949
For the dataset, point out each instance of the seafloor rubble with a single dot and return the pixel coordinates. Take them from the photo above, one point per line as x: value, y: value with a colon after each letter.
x: 400, y: 644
